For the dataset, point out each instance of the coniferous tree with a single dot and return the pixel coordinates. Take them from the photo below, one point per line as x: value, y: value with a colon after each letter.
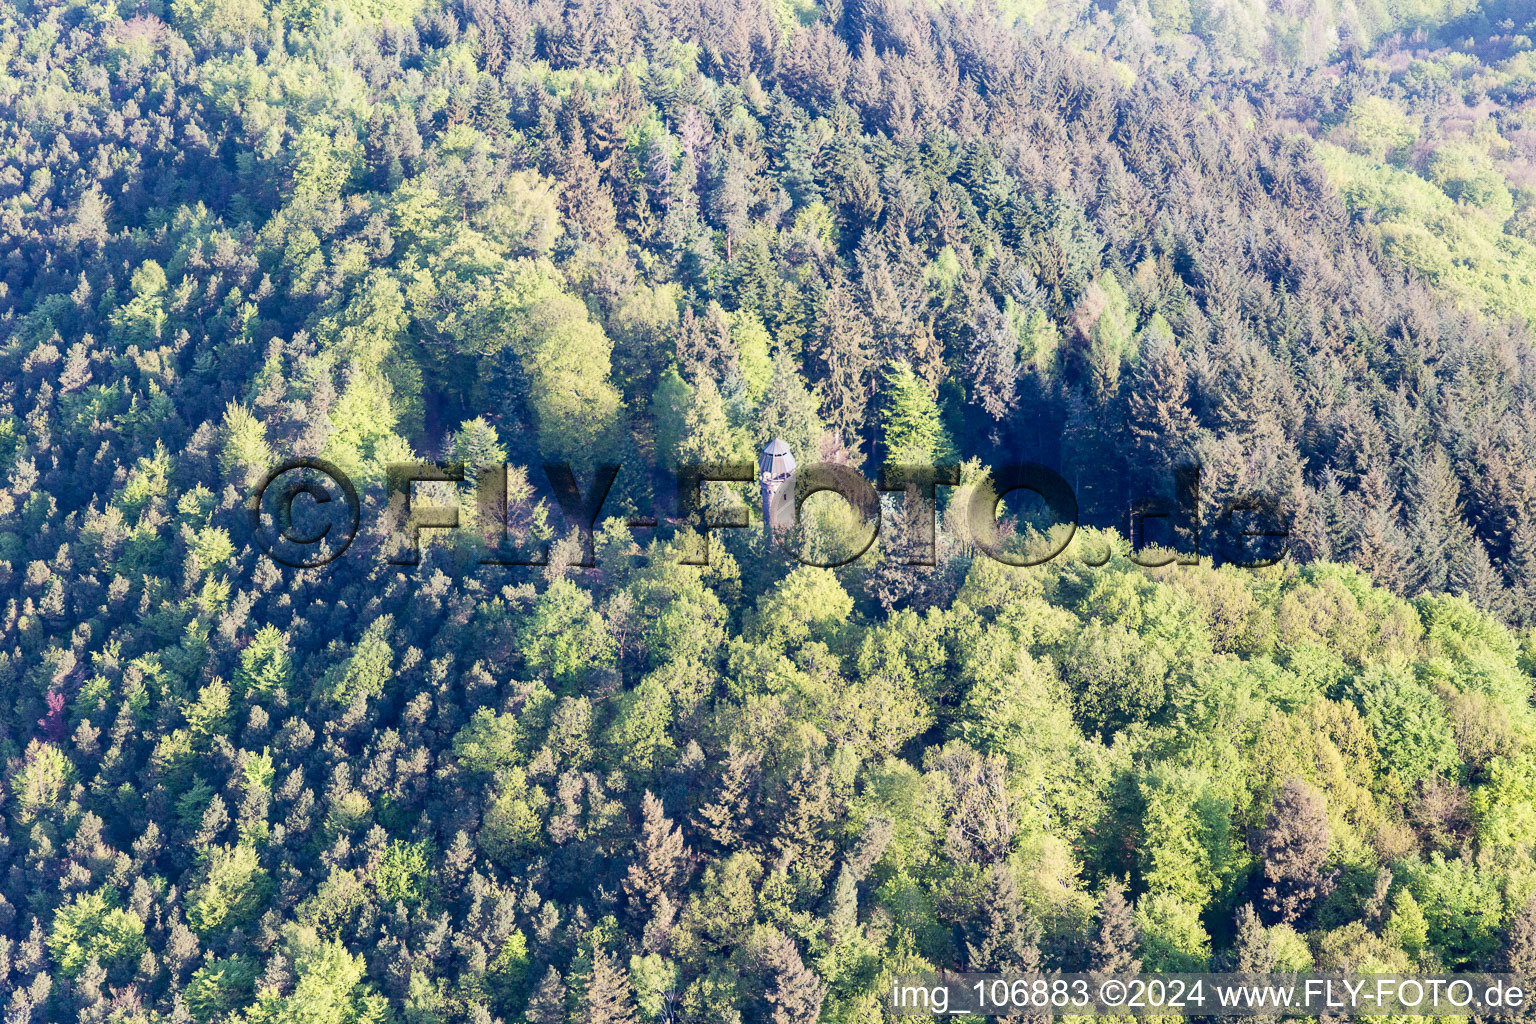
x: 1117, y: 940
x: 547, y: 1005
x: 1294, y: 847
x: 1378, y: 544
x: 608, y: 998
x: 1519, y: 953
x: 1522, y: 569
x: 1473, y: 575
x: 1003, y: 938
x: 792, y: 993
x: 1252, y: 950
x: 660, y: 860
x: 803, y: 807
x: 727, y: 818
x: 844, y: 350
x: 1157, y: 409
x: 912, y: 433
x: 991, y: 361
x: 1436, y: 532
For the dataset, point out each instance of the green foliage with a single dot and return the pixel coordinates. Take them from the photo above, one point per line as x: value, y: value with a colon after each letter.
x: 1380, y: 128
x: 365, y: 671
x: 209, y: 715
x: 42, y: 780
x: 220, y: 987
x: 1459, y: 247
x: 638, y: 737
x: 911, y: 430
x: 88, y: 928
x: 565, y: 636
x: 1172, y: 937
x: 233, y: 889
x: 1462, y: 908
x: 404, y: 873
x: 489, y: 743
x: 1412, y: 735
x: 376, y: 231
x: 328, y: 988
x: 265, y: 664
x: 1187, y: 850
x: 1407, y: 928
x: 244, y: 443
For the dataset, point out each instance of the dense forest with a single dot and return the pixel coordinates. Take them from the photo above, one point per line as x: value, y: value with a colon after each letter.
x: 1293, y: 244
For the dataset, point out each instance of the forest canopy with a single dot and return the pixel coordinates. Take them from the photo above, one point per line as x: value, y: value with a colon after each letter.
x: 1291, y: 245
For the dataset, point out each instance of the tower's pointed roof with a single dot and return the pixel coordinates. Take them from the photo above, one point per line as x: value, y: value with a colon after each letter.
x: 776, y: 459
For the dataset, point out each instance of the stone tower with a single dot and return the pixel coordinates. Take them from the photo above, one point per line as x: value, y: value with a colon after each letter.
x: 776, y: 475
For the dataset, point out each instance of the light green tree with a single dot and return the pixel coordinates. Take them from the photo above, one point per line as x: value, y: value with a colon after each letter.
x: 232, y: 892
x: 911, y: 430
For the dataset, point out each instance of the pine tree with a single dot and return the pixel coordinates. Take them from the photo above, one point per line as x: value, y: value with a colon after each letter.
x: 607, y: 999
x: 844, y: 914
x: 864, y: 87
x: 730, y: 201
x: 1118, y: 939
x: 1378, y: 544
x: 706, y: 434
x: 547, y: 1006
x: 1294, y: 847
x: 927, y: 355
x: 575, y: 37
x: 660, y: 859
x: 788, y: 409
x: 728, y: 818
x: 1253, y: 952
x: 583, y: 199
x: 793, y: 993
x: 1437, y: 533
x: 704, y: 348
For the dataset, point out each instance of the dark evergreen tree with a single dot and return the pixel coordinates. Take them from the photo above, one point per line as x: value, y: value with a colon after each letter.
x: 1117, y: 940
x: 1294, y: 848
x: 607, y: 999
x: 792, y: 993
x: 547, y: 1005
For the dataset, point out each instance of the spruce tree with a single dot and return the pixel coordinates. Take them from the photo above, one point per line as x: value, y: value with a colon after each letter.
x: 1519, y: 952
x: 1157, y: 407
x: 912, y: 432
x: 792, y: 992
x: 607, y: 999
x: 1000, y: 935
x: 991, y: 360
x: 727, y: 818
x: 1294, y: 846
x: 1118, y: 939
x: 660, y: 859
x: 843, y: 348
x: 547, y: 1005
x: 1521, y: 570
x: 1252, y: 950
